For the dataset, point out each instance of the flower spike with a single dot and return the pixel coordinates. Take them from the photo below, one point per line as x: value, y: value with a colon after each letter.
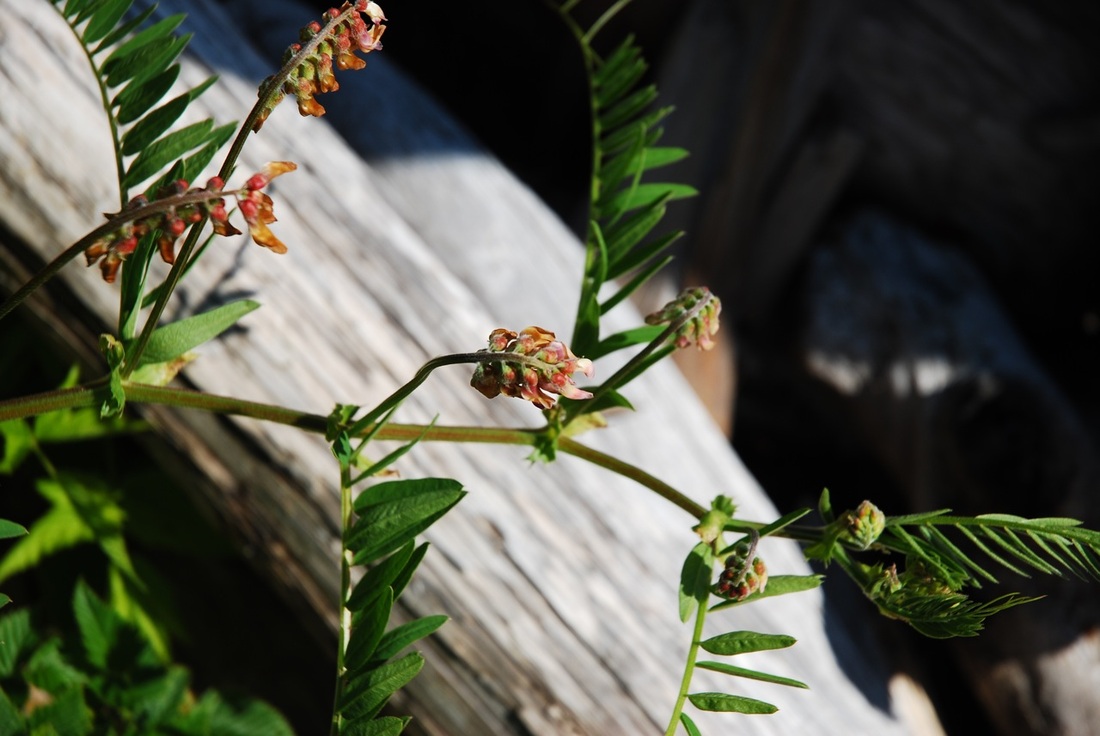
x: 695, y: 311
x: 176, y: 206
x: 319, y: 50
x: 544, y: 366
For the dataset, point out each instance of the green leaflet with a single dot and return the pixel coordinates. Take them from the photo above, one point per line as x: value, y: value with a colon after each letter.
x: 777, y: 585
x: 695, y: 579
x: 18, y: 638
x: 626, y: 338
x: 58, y: 529
x: 143, y: 63
x: 740, y: 642
x: 124, y: 29
x: 146, y: 130
x: 729, y: 669
x: 104, y: 19
x: 395, y: 640
x: 364, y: 696
x: 134, y: 101
x: 175, y: 339
x: 18, y: 442
x: 368, y: 629
x: 385, y: 726
x: 644, y: 195
x: 164, y: 151
x: 722, y: 703
x: 98, y: 625
x: 159, y: 31
x: 385, y: 575
x: 689, y: 725
x: 392, y: 513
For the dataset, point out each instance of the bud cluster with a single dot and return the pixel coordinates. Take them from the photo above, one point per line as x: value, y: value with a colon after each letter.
x: 313, y: 74
x: 698, y: 309
x: 864, y: 526
x: 546, y: 369
x: 176, y: 206
x: 741, y: 579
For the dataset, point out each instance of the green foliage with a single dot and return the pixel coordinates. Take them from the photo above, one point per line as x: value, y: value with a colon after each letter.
x: 174, y: 340
x: 696, y: 588
x: 928, y: 591
x: 389, y: 515
x: 624, y: 209
x: 111, y: 680
x: 134, y: 75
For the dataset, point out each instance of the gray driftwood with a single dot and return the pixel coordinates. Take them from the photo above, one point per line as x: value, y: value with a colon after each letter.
x: 560, y: 580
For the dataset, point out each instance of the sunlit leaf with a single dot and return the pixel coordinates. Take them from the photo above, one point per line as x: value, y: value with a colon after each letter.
x: 368, y: 630
x: 175, y: 339
x: 695, y: 579
x: 392, y: 642
x: 364, y: 696
x: 392, y: 513
x: 146, y: 130
x: 740, y: 642
x: 722, y: 703
x: 689, y: 725
x: 106, y: 16
x: 729, y: 669
x: 777, y: 585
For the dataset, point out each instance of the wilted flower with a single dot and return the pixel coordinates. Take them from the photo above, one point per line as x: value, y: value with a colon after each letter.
x: 698, y: 309
x: 327, y: 46
x: 547, y: 368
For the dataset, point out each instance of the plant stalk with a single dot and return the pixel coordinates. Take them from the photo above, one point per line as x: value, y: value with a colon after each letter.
x: 689, y: 668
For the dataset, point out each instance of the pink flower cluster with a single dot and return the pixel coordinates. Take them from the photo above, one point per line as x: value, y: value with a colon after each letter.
x: 698, y: 308
x: 313, y: 74
x: 546, y: 368
x: 176, y: 206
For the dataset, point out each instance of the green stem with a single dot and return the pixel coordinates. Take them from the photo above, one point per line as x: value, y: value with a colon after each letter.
x: 482, y: 356
x: 689, y: 668
x: 346, y: 559
x: 91, y: 395
x: 615, y: 465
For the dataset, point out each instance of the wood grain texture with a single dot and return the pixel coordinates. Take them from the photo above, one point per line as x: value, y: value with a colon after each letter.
x: 560, y: 580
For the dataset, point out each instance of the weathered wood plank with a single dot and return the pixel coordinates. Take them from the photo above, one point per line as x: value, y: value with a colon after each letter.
x: 560, y: 580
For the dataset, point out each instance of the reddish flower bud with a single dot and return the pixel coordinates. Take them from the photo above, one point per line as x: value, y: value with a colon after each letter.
x: 126, y: 246
x: 248, y: 209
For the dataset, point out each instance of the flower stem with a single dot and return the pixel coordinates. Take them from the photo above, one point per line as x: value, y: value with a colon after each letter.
x: 689, y: 668
x: 113, y: 224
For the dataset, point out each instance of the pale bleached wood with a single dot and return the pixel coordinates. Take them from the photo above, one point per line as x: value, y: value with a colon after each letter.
x: 561, y: 580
